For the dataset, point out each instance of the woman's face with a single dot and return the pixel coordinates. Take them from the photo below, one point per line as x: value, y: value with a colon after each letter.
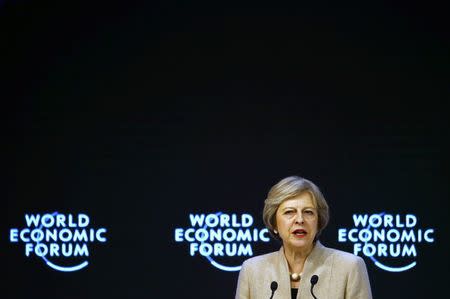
x: 297, y: 221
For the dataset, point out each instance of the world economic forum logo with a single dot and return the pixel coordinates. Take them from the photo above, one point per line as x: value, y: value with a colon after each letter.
x: 389, y: 240
x: 220, y: 236
x: 58, y: 239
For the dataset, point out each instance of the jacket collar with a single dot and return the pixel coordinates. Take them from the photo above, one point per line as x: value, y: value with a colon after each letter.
x: 312, y: 262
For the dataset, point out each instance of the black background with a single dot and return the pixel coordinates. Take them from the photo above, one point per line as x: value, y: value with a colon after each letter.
x: 138, y: 113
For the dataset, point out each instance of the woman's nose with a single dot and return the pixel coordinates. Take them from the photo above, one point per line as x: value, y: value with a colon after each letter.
x: 299, y: 218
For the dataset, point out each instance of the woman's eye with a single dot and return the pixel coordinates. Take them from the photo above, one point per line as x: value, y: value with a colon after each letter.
x: 289, y: 212
x: 309, y: 212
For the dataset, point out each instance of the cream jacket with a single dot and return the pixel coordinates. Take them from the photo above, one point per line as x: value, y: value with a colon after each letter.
x: 342, y: 275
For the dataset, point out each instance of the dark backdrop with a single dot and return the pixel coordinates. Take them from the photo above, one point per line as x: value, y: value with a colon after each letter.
x: 140, y: 113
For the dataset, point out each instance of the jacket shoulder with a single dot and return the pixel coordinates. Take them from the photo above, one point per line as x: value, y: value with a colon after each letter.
x: 344, y: 258
x: 257, y: 261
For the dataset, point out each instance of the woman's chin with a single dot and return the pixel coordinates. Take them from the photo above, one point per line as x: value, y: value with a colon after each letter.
x: 300, y: 243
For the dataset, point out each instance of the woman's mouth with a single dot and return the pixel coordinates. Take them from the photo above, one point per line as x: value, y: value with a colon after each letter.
x: 299, y: 233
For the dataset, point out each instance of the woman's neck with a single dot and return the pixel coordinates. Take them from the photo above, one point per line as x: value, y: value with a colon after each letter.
x: 296, y: 258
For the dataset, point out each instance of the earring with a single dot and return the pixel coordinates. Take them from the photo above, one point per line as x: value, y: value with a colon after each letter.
x: 275, y: 232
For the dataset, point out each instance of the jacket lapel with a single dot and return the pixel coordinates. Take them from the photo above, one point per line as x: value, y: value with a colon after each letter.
x: 315, y: 264
x: 284, y: 284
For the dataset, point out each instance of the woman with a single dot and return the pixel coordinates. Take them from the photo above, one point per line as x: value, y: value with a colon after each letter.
x: 295, y: 212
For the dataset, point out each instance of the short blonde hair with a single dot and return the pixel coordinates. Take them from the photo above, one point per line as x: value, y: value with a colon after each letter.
x: 288, y: 188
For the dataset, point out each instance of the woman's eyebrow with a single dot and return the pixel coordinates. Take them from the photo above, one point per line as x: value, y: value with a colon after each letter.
x: 288, y: 207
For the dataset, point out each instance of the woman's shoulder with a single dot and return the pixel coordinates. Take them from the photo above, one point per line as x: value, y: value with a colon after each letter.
x: 343, y: 257
x: 259, y: 260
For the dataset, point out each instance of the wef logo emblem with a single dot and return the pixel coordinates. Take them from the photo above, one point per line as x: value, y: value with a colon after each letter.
x: 58, y: 239
x: 220, y: 237
x: 390, y: 241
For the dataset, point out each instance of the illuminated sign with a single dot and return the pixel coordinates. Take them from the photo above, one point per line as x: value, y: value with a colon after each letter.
x: 390, y: 241
x: 221, y: 235
x: 59, y: 237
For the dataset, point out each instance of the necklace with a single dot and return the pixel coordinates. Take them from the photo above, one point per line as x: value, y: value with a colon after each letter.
x: 295, y: 276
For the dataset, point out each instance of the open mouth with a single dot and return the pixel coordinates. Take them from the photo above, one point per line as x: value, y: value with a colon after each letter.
x: 300, y: 233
